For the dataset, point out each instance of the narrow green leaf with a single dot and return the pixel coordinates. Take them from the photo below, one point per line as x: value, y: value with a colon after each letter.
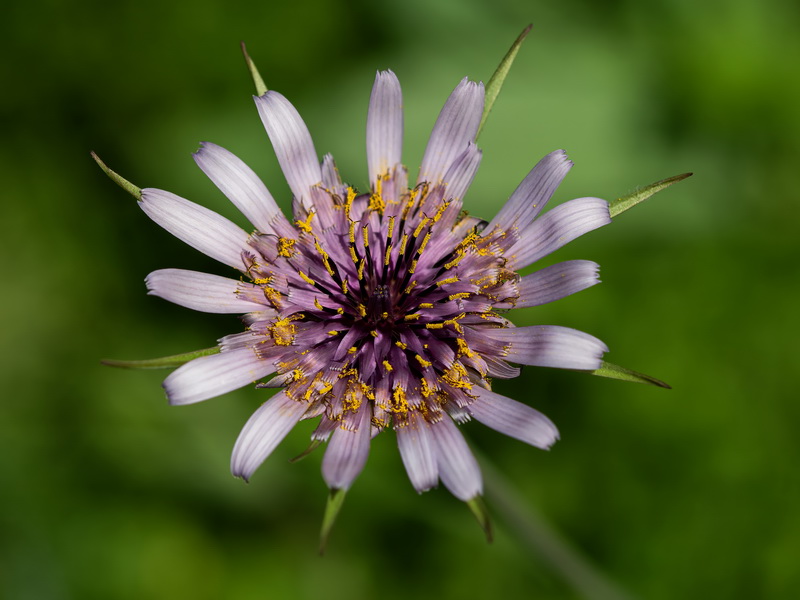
x: 616, y: 372
x: 335, y: 501
x: 118, y: 179
x: 499, y: 76
x: 478, y: 508
x: 311, y: 447
x: 261, y: 87
x: 622, y: 204
x: 165, y: 362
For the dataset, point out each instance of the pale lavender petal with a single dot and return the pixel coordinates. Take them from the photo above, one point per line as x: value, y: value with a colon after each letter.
x: 513, y: 418
x: 264, y: 430
x: 557, y: 227
x: 331, y: 180
x: 384, y: 125
x: 556, y: 282
x: 292, y: 142
x: 461, y: 173
x: 201, y: 228
x: 239, y: 184
x: 458, y: 468
x: 533, y: 193
x: 456, y: 126
x: 550, y: 346
x: 200, y: 291
x: 347, y: 452
x: 418, y: 452
x: 214, y: 375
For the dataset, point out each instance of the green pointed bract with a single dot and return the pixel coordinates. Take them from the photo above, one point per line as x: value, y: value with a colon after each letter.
x: 335, y: 501
x: 118, y: 179
x: 311, y: 447
x: 165, y: 362
x: 616, y: 372
x: 620, y: 205
x: 261, y: 87
x: 478, y: 508
x: 499, y: 76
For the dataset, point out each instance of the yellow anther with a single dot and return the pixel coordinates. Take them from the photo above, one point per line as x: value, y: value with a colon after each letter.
x: 333, y: 332
x: 388, y: 255
x: 361, y: 269
x: 344, y: 289
x: 421, y: 226
x: 403, y: 242
x: 365, y: 235
x: 424, y: 243
x: 459, y: 296
x: 434, y: 325
x: 426, y: 305
x: 306, y: 278
x: 401, y: 345
x: 352, y: 350
x: 317, y: 304
x: 373, y: 333
x: 463, y: 348
x: 305, y: 226
x: 391, y: 228
x: 446, y: 281
x: 422, y: 361
x: 413, y: 266
x: 352, y: 232
x: 387, y: 366
x: 410, y: 287
x: 286, y: 247
x: 399, y: 400
x: 412, y: 317
x: 362, y: 311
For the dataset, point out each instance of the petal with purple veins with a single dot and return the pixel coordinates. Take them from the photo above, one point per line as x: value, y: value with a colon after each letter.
x: 513, y: 418
x: 214, y: 375
x: 556, y: 281
x: 458, y: 468
x: 239, y: 184
x: 201, y: 228
x: 347, y: 452
x: 418, y: 452
x: 201, y: 291
x: 455, y: 127
x: 384, y: 125
x: 264, y: 430
x: 292, y: 143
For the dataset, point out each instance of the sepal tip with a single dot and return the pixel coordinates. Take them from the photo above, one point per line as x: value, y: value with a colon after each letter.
x: 117, y: 178
x: 332, y: 508
x: 478, y: 508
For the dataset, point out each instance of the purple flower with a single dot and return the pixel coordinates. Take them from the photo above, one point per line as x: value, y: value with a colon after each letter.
x: 382, y: 309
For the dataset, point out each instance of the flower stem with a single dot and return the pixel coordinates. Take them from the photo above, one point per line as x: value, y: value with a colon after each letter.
x: 531, y: 529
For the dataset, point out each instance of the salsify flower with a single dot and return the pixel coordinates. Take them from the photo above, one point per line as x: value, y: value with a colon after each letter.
x: 383, y: 309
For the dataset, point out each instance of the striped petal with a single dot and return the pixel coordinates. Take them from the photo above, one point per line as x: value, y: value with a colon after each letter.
x: 533, y: 193
x: 458, y: 468
x: 549, y: 346
x: 513, y: 418
x: 201, y: 291
x: 263, y: 432
x: 558, y: 227
x: 556, y: 282
x: 347, y: 452
x: 461, y: 173
x: 418, y: 452
x: 384, y: 125
x: 214, y: 375
x: 455, y: 127
x: 201, y: 228
x: 239, y: 184
x: 292, y: 143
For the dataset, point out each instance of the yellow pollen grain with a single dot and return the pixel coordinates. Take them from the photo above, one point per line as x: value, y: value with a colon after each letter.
x: 286, y: 247
x: 362, y: 310
x: 373, y: 333
x: 340, y: 310
x: 384, y: 315
x: 401, y: 345
x: 426, y: 305
x: 463, y: 348
x: 387, y: 366
x: 333, y: 332
x: 352, y: 350
x: 262, y: 281
x: 399, y: 401
x: 305, y: 226
x: 422, y: 361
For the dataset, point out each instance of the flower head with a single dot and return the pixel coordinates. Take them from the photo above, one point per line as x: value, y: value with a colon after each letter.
x: 380, y: 309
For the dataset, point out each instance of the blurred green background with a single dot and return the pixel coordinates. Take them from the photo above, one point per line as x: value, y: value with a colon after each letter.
x: 106, y: 492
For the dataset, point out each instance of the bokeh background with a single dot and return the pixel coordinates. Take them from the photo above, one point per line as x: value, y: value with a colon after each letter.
x: 108, y: 493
